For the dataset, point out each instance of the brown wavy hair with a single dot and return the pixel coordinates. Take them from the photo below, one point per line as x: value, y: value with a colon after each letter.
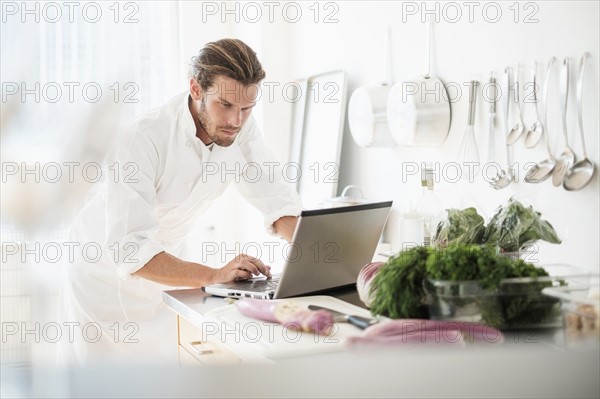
x: 228, y: 57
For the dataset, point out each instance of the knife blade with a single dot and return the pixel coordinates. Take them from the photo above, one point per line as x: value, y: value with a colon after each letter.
x: 339, y: 317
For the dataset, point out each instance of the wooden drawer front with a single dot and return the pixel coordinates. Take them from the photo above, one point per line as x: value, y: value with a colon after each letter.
x: 207, y: 353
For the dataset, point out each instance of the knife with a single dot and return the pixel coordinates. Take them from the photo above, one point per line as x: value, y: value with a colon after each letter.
x: 339, y: 317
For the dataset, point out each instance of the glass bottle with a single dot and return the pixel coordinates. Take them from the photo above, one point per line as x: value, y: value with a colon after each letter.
x: 429, y: 207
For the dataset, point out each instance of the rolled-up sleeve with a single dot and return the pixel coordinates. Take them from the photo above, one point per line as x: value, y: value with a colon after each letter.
x: 262, y: 182
x: 132, y: 224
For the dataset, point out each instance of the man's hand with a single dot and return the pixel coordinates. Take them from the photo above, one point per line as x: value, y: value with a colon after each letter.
x: 285, y: 227
x: 242, y: 267
x: 167, y: 269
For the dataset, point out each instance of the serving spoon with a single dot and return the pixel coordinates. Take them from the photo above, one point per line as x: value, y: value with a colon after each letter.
x: 566, y: 159
x: 505, y: 177
x: 543, y: 169
x: 517, y: 130
x: 533, y: 135
x: 580, y: 174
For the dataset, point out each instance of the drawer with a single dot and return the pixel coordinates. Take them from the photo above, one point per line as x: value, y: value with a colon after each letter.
x: 192, y: 350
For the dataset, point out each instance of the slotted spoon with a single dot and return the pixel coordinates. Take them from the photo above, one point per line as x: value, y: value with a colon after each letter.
x: 517, y: 130
x: 533, y: 135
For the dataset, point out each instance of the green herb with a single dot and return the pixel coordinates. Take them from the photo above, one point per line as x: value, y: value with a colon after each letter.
x: 406, y: 282
x: 398, y: 285
x: 469, y: 262
x: 519, y: 305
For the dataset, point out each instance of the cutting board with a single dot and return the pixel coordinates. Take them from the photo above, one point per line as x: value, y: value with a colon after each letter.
x: 272, y: 340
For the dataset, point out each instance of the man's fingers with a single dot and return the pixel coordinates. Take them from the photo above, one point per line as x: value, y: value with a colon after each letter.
x: 249, y: 266
x: 242, y: 274
x: 252, y: 265
x: 264, y: 269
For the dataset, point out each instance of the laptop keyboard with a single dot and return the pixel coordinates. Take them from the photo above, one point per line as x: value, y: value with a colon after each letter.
x: 257, y: 285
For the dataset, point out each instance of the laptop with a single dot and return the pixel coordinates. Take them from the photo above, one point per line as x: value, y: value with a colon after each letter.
x: 328, y: 250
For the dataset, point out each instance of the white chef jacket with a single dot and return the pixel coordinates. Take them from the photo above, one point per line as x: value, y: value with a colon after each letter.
x: 168, y: 177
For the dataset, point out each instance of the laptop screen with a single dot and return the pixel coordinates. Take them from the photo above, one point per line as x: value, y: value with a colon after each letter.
x: 329, y: 248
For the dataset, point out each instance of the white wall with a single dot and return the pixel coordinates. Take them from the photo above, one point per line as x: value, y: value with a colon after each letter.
x: 463, y: 51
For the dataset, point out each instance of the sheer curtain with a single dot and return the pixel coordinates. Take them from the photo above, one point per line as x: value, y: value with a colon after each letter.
x: 69, y: 77
x: 135, y: 43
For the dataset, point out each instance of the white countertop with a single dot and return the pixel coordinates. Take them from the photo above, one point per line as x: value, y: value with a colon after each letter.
x: 265, y: 342
x: 198, y: 307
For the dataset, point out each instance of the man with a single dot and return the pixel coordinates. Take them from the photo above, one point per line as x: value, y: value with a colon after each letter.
x: 143, y: 219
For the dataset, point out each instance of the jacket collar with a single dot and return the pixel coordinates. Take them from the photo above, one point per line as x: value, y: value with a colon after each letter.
x: 185, y: 117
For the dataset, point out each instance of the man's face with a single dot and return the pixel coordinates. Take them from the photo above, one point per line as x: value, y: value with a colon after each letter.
x: 221, y: 111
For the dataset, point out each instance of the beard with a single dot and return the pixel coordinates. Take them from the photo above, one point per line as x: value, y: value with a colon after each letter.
x: 212, y: 129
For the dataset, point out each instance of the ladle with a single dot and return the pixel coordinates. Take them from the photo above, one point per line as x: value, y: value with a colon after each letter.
x: 533, y: 135
x: 582, y: 172
x: 543, y: 169
x: 517, y: 130
x: 565, y: 160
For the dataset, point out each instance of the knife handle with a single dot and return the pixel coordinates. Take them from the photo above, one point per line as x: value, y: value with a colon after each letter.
x: 361, y: 322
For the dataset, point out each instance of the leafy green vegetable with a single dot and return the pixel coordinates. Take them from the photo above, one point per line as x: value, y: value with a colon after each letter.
x: 514, y: 227
x: 461, y: 227
x: 472, y: 277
